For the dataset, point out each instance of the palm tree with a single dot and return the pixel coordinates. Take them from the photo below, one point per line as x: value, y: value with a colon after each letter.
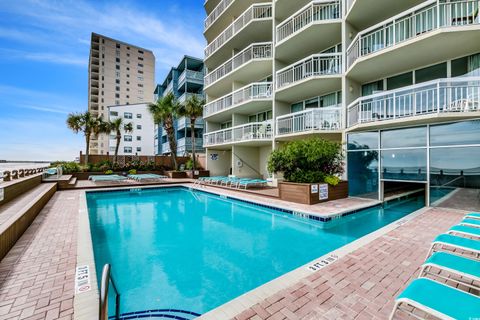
x: 164, y: 112
x: 89, y: 125
x: 193, y: 109
x: 117, y: 125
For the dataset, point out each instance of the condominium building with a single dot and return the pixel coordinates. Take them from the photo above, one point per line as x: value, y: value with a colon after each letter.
x: 183, y: 81
x: 118, y: 74
x: 398, y: 82
x: 139, y: 141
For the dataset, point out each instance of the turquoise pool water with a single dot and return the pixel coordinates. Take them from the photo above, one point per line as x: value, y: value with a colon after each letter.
x: 178, y: 249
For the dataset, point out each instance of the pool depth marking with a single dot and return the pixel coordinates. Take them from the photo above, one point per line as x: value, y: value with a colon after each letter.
x: 322, y: 263
x: 82, y: 279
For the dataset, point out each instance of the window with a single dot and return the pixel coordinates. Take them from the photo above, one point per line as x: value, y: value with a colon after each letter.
x: 117, y: 88
x: 128, y: 82
x: 252, y: 118
x: 140, y: 71
x: 117, y: 74
x: 117, y: 67
x: 139, y: 116
x: 140, y: 51
x: 117, y: 53
x: 312, y: 103
x: 437, y: 71
x: 139, y: 149
x: 128, y: 68
x: 140, y: 65
x: 411, y: 137
x: 118, y: 45
x: 117, y: 60
x: 117, y: 101
x: 399, y: 81
x: 128, y: 61
x: 226, y: 125
x: 128, y: 76
x: 139, y: 127
x: 140, y: 58
x: 466, y: 66
x: 127, y: 115
x: 128, y: 89
x: 114, y: 113
x: 127, y: 96
x: 139, y: 138
x: 113, y: 137
x: 117, y: 95
x: 128, y: 48
x: 296, y: 107
x: 117, y: 81
x: 372, y: 87
x: 460, y: 133
x: 362, y: 141
x: 112, y: 149
x: 127, y: 138
x: 140, y: 85
x: 128, y: 54
x: 127, y: 149
x: 140, y: 91
x: 140, y: 98
x: 140, y: 78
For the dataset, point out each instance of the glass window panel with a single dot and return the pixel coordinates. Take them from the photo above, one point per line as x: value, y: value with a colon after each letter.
x: 363, y: 173
x: 402, y: 80
x: 328, y: 100
x: 459, y: 133
x: 269, y: 115
x: 402, y: 138
x: 451, y: 168
x: 312, y: 103
x: 252, y: 118
x: 371, y: 88
x: 406, y: 164
x: 296, y: 107
x: 262, y: 116
x: 459, y: 67
x: 364, y: 140
x: 437, y: 71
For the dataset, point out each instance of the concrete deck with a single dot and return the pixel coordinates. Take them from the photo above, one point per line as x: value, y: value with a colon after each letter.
x: 37, y: 275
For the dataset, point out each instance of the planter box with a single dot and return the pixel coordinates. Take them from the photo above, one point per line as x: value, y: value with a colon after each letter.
x: 198, y: 174
x: 312, y: 193
x: 176, y: 174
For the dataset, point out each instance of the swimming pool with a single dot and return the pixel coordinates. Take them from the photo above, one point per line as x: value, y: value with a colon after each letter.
x: 173, y: 248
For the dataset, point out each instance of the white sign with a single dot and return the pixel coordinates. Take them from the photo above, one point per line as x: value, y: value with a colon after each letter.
x: 196, y: 172
x: 323, y: 194
x: 82, y: 279
x: 214, y: 156
x: 314, y: 188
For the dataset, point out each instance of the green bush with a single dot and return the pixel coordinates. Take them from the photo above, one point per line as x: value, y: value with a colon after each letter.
x: 308, y: 161
x: 189, y: 164
x: 332, y: 180
x: 132, y: 171
x: 109, y: 172
x: 68, y: 167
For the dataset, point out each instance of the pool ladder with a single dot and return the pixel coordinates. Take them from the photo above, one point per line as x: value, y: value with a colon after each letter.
x: 107, y: 278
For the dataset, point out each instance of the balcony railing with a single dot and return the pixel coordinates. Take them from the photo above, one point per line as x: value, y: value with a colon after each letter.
x: 260, y: 11
x: 185, y: 121
x: 246, y: 132
x: 313, y: 12
x: 185, y: 96
x: 438, y: 96
x: 217, y: 12
x: 318, y: 119
x: 313, y: 66
x: 254, y: 51
x: 254, y: 91
x: 169, y: 88
x: 186, y: 143
x: 191, y: 75
x: 413, y: 23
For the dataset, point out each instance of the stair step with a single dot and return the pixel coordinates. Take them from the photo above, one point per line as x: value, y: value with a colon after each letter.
x: 72, y: 181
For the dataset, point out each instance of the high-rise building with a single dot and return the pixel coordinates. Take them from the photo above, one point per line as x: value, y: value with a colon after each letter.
x: 397, y: 80
x: 183, y: 81
x: 118, y: 74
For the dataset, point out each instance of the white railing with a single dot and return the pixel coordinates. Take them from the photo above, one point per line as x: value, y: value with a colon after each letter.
x: 217, y: 12
x: 254, y: 91
x: 260, y: 11
x: 315, y: 65
x: 186, y: 95
x: 169, y: 88
x: 246, y: 132
x: 317, y: 119
x: 186, y: 142
x: 316, y: 11
x: 190, y: 74
x: 413, y: 23
x: 254, y: 51
x: 438, y: 96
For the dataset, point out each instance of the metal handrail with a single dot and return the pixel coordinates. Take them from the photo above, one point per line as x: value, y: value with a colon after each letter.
x: 107, y: 278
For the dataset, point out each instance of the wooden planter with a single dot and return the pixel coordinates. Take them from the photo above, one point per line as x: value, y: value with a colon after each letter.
x: 176, y: 174
x: 312, y: 193
x: 197, y: 174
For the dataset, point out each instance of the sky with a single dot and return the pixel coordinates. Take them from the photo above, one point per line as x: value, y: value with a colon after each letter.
x: 44, y: 49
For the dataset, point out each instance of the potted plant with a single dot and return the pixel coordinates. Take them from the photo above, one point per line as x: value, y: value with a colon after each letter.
x: 311, y: 169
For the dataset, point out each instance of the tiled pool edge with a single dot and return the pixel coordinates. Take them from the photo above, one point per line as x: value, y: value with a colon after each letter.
x: 247, y: 300
x: 86, y: 304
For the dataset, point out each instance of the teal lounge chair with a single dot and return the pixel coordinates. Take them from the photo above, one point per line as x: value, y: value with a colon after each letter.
x: 468, y: 269
x: 473, y: 215
x: 251, y: 182
x: 438, y: 300
x: 470, y: 222
x: 448, y: 240
x: 465, y: 231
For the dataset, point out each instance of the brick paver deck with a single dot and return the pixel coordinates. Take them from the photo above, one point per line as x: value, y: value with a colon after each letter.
x: 37, y: 275
x: 363, y: 284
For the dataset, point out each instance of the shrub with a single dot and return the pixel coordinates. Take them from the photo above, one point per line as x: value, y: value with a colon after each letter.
x: 308, y: 161
x: 109, y: 172
x: 132, y: 171
x: 189, y: 164
x: 67, y: 166
x: 332, y: 180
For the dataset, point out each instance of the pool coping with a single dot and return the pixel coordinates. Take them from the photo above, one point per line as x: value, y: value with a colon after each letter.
x: 86, y: 304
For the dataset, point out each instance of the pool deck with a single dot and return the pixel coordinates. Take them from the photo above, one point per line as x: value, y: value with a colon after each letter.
x: 37, y: 275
